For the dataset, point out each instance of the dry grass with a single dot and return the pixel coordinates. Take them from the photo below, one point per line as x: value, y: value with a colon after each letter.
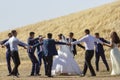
x: 25, y: 68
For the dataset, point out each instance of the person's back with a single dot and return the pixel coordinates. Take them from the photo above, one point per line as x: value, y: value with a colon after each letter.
x: 89, y: 42
x: 50, y: 47
x: 13, y: 43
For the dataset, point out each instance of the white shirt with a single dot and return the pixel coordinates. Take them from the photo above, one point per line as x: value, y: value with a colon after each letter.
x: 88, y: 41
x: 71, y: 47
x: 14, y: 42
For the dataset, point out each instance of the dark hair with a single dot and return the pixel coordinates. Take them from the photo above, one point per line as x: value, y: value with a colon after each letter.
x: 13, y: 31
x: 49, y: 35
x: 115, y: 38
x: 97, y: 34
x: 60, y: 36
x: 31, y: 33
x: 9, y: 34
x: 87, y: 31
x: 71, y: 33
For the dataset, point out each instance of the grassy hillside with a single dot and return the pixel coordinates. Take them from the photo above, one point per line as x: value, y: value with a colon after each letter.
x: 102, y: 19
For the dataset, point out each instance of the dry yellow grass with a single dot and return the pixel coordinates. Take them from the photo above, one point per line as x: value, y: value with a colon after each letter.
x: 102, y: 19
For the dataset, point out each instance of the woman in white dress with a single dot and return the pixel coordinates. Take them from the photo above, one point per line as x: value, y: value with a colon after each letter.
x: 64, y: 62
x: 115, y: 53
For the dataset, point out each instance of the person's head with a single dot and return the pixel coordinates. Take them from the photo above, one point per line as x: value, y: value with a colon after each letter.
x: 97, y: 35
x: 49, y: 35
x: 41, y: 38
x: 32, y: 34
x: 14, y: 33
x: 71, y: 34
x: 87, y: 31
x: 9, y: 35
x: 114, y: 37
x: 60, y: 36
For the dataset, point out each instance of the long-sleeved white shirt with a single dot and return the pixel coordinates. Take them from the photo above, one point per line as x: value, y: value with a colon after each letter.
x: 88, y: 41
x: 14, y: 42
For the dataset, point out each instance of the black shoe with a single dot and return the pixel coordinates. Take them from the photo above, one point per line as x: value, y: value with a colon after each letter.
x: 50, y: 76
x: 93, y: 75
x: 31, y: 74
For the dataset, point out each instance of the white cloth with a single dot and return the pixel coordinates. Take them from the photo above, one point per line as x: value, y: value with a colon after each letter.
x: 71, y: 47
x: 64, y: 62
x: 13, y: 42
x: 115, y: 60
x: 89, y: 42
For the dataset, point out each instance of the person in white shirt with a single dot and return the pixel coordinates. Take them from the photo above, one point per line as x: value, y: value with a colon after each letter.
x: 89, y: 47
x: 14, y: 42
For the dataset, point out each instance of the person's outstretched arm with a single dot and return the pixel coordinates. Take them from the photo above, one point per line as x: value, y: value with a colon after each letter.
x: 81, y: 46
x: 79, y: 41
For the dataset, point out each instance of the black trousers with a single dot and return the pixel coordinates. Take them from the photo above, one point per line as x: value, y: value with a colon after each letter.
x: 40, y: 57
x: 16, y: 61
x: 102, y: 55
x: 49, y: 62
x: 88, y: 57
x: 35, y: 64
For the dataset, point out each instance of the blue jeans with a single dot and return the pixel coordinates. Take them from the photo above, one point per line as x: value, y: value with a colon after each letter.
x: 8, y: 59
x: 40, y: 57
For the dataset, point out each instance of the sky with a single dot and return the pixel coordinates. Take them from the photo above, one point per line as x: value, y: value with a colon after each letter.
x: 17, y: 13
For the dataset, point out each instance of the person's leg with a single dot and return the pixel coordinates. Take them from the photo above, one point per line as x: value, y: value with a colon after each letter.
x: 40, y: 62
x: 8, y: 59
x: 85, y: 68
x: 91, y: 54
x: 45, y: 65
x: 97, y: 56
x: 88, y: 61
x: 16, y: 61
x: 46, y: 58
x: 33, y: 64
x: 85, y: 64
x: 105, y: 61
x: 50, y: 61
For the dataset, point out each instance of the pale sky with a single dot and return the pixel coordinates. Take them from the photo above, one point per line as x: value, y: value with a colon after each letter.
x: 17, y: 13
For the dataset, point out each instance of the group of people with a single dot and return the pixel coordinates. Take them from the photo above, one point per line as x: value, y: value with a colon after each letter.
x: 61, y: 61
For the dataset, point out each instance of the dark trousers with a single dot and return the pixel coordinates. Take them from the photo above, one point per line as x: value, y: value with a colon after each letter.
x: 49, y: 61
x: 16, y: 61
x: 88, y: 57
x: 102, y: 55
x: 35, y: 64
x: 8, y: 60
x: 40, y: 57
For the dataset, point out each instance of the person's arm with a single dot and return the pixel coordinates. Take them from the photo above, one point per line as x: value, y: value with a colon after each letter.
x: 79, y: 41
x: 98, y: 40
x: 2, y: 42
x: 109, y: 45
x: 37, y: 44
x: 105, y: 41
x: 5, y: 44
x: 81, y: 46
x: 34, y: 39
x: 60, y: 43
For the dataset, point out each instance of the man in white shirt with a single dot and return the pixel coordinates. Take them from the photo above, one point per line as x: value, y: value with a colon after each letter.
x: 89, y: 47
x: 14, y: 42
